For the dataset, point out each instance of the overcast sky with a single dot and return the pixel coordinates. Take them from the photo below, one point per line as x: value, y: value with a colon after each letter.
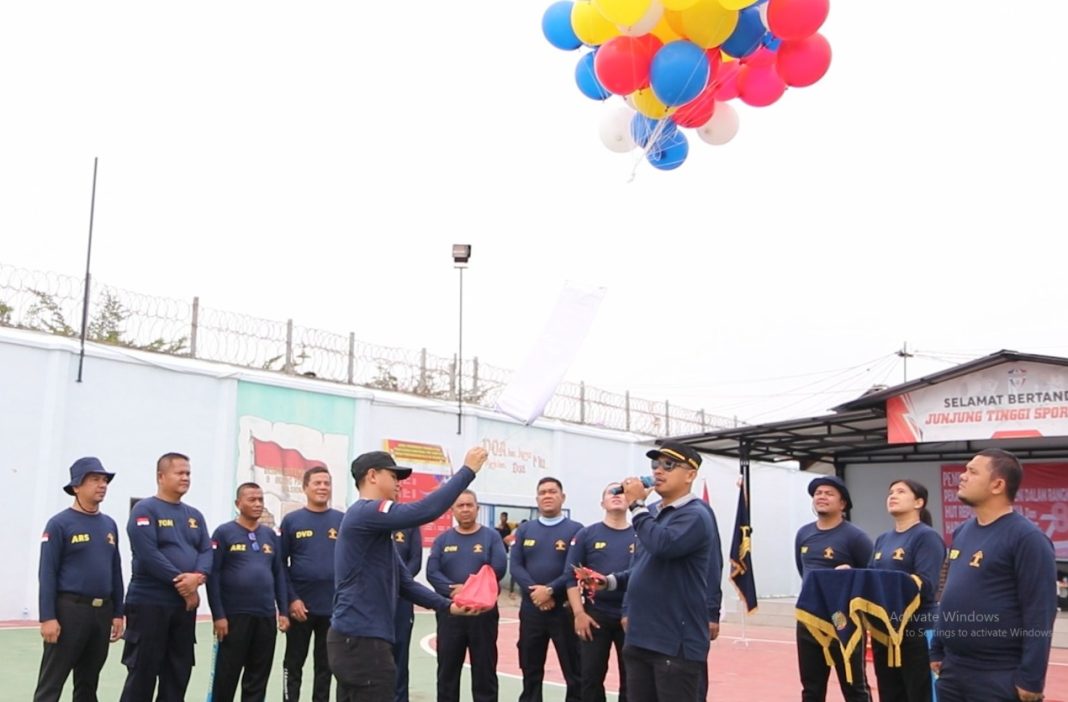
x: 317, y: 160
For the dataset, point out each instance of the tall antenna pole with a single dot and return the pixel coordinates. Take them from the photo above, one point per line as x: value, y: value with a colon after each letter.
x: 88, y: 260
x: 904, y: 355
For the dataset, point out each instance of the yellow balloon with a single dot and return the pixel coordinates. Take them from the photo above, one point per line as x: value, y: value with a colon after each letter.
x: 724, y: 57
x: 664, y: 31
x: 590, y: 26
x: 623, y: 12
x: 736, y: 4
x: 677, y: 5
x: 674, y: 21
x: 646, y: 103
x: 708, y: 23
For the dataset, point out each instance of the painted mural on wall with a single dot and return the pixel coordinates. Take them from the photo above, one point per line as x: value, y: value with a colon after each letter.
x: 281, y: 433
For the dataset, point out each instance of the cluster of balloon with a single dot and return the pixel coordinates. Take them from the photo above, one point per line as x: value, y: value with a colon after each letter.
x: 680, y: 63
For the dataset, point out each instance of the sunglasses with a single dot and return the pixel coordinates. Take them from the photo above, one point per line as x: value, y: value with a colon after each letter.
x: 252, y: 538
x: 669, y: 464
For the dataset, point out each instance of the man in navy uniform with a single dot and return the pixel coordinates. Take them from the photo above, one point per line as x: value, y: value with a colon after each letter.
x: 538, y: 558
x: 667, y: 602
x: 307, y: 542
x: 370, y: 575
x: 995, y: 624
x: 80, y: 578
x: 248, y: 595
x: 830, y: 542
x: 171, y: 560
x: 458, y: 553
x: 605, y: 547
x: 409, y: 545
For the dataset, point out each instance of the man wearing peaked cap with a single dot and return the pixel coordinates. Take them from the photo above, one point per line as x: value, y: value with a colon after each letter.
x: 80, y: 586
x: 673, y: 450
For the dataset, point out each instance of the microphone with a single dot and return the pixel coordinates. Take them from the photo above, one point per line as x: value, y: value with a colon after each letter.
x: 647, y: 481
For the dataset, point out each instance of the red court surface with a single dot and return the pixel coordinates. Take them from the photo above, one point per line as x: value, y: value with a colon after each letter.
x: 763, y: 666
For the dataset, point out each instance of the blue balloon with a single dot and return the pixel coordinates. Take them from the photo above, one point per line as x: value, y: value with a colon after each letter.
x: 643, y: 128
x: 771, y: 42
x: 556, y: 26
x: 679, y: 72
x: 668, y: 154
x: 747, y: 35
x: 587, y: 81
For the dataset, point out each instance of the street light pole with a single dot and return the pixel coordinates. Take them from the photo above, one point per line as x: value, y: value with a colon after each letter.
x: 461, y: 254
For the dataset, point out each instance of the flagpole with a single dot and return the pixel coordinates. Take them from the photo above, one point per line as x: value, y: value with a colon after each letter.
x: 743, y: 467
x: 88, y: 260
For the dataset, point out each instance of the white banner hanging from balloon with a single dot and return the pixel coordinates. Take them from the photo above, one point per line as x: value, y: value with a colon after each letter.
x: 533, y: 385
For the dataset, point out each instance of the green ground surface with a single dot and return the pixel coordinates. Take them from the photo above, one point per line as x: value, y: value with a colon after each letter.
x: 20, y: 657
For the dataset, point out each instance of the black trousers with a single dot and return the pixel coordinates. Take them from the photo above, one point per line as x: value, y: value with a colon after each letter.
x: 84, y: 635
x: 962, y: 683
x: 911, y: 682
x: 655, y: 677
x: 159, y: 645
x: 248, y: 647
x: 815, y: 671
x: 457, y: 636
x: 298, y: 639
x: 403, y: 622
x: 536, y: 629
x: 594, y: 655
x: 363, y: 667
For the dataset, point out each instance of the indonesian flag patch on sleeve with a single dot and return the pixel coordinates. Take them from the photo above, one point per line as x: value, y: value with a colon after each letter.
x: 214, y: 544
x: 385, y: 505
x: 143, y: 521
x: 44, y: 538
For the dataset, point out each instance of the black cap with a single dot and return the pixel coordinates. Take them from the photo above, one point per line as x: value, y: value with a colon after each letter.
x: 832, y: 481
x: 83, y: 467
x: 678, y: 452
x: 376, y: 459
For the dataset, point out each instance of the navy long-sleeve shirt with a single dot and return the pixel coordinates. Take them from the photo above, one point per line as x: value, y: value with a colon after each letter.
x: 920, y: 551
x: 409, y: 545
x: 538, y: 557
x: 605, y: 550
x: 454, y: 556
x: 667, y: 590
x: 1000, y: 599
x: 368, y: 571
x: 79, y: 555
x: 307, y: 544
x: 167, y: 539
x: 845, y: 544
x: 247, y: 576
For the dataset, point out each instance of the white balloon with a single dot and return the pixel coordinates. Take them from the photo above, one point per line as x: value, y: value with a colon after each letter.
x: 763, y: 10
x: 615, y: 130
x: 648, y: 21
x: 722, y: 127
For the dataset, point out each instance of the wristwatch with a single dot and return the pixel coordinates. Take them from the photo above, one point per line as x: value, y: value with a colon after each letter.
x: 637, y: 504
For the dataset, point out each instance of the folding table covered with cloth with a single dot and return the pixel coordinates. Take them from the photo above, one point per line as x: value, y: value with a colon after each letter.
x: 834, y: 604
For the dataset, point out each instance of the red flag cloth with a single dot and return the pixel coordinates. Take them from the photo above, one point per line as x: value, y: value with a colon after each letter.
x: 480, y: 591
x: 270, y: 455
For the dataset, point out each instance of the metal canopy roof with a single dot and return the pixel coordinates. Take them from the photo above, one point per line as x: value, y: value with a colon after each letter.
x: 856, y: 431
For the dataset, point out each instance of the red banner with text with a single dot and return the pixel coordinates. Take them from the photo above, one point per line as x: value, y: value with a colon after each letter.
x: 1042, y: 498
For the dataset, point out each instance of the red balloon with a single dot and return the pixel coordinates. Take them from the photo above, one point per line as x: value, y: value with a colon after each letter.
x: 760, y: 86
x: 698, y: 111
x: 804, y: 62
x: 760, y: 58
x: 726, y: 81
x: 796, y: 19
x: 622, y: 63
x: 715, y: 59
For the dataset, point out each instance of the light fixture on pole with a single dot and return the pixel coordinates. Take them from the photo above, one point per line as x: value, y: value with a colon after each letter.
x: 461, y: 253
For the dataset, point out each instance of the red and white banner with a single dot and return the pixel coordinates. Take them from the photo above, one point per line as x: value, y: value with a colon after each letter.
x: 1011, y: 400
x: 1043, y: 498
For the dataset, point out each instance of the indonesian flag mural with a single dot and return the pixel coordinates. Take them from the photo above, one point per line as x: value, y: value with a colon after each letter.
x: 275, y: 455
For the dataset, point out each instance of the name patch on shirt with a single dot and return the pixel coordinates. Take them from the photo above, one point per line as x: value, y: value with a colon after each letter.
x: 804, y: 549
x: 528, y: 542
x: 598, y: 545
x: 165, y: 522
x: 878, y: 555
x: 953, y: 554
x: 238, y: 547
x: 79, y: 538
x: 304, y: 534
x: 450, y: 549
